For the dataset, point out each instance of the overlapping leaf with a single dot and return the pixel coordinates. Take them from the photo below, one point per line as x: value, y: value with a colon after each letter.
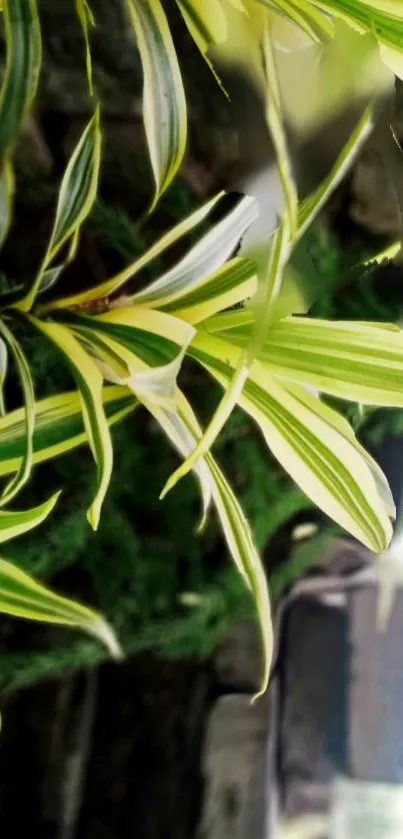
x: 59, y: 426
x: 325, y: 464
x: 27, y: 387
x: 89, y: 382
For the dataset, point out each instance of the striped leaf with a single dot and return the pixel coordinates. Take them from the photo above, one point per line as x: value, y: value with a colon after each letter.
x: 164, y: 101
x: 89, y: 383
x: 24, y: 469
x: 207, y: 256
x: 115, y: 283
x: 331, y: 471
x: 140, y: 348
x: 231, y: 284
x: 59, y: 426
x: 354, y: 361
x: 22, y: 596
x: 13, y: 524
x: 23, y: 60
x: 239, y: 540
x: 76, y: 196
x: 308, y: 23
x: 87, y: 21
x: 268, y: 290
x: 382, y: 17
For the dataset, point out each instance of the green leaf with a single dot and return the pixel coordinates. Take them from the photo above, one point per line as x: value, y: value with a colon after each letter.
x: 89, y: 382
x: 167, y: 240
x: 76, y: 196
x: 59, y: 426
x: 141, y: 348
x: 234, y: 282
x: 354, y: 361
x: 331, y: 471
x: 25, y: 467
x: 207, y: 256
x: 22, y: 596
x: 240, y: 542
x: 23, y: 60
x: 6, y: 196
x: 164, y: 101
x: 13, y: 524
x: 87, y: 21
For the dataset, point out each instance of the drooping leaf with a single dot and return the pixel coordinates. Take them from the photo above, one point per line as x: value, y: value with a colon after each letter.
x: 141, y: 348
x: 164, y: 101
x: 27, y: 387
x: 89, y: 383
x: 322, y: 461
x: 22, y: 596
x: 59, y: 426
x: 13, y: 524
x: 239, y: 540
x: 23, y: 60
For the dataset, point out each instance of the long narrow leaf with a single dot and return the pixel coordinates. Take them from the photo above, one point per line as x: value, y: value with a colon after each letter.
x: 13, y: 524
x: 89, y: 382
x: 325, y: 464
x: 164, y: 101
x: 209, y: 254
x: 87, y: 20
x: 23, y: 60
x: 76, y: 197
x: 59, y: 426
x: 27, y: 386
x: 240, y: 542
x: 233, y: 283
x: 112, y: 285
x: 22, y: 596
x: 6, y: 196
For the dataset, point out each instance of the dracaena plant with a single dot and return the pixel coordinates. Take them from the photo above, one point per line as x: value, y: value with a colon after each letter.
x: 233, y: 30
x: 126, y: 349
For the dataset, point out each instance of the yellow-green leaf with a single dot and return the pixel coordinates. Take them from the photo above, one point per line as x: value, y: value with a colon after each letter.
x: 115, y: 283
x: 27, y: 386
x: 15, y: 523
x: 6, y: 196
x: 89, y: 382
x: 321, y: 460
x: 22, y: 596
x: 164, y: 101
x: 59, y: 426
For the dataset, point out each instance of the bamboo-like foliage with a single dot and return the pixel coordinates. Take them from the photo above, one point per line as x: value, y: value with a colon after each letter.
x: 125, y: 350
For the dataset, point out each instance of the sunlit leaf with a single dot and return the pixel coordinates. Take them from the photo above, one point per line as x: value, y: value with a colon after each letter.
x: 209, y: 254
x: 59, y: 426
x: 115, y: 283
x: 321, y: 460
x: 234, y: 282
x: 164, y: 101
